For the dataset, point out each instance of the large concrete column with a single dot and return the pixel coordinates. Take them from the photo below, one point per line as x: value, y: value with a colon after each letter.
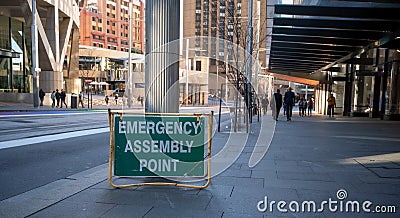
x: 51, y: 80
x: 75, y: 83
x: 162, y: 56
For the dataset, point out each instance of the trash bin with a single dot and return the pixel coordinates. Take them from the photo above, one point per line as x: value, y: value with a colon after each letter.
x: 74, y: 101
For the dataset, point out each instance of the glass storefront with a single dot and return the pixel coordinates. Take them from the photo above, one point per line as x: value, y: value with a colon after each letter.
x: 15, y: 56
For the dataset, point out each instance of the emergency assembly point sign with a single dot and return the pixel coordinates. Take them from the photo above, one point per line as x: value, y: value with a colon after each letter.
x: 165, y: 146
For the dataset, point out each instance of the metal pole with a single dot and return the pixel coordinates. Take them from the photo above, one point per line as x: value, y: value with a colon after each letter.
x: 35, y: 57
x: 226, y: 82
x: 187, y: 73
x: 129, y: 74
x: 219, y: 115
x: 217, y: 84
x: 91, y: 99
x: 249, y: 59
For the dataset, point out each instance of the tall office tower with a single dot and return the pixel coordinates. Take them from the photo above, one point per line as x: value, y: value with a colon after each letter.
x: 228, y: 20
x: 104, y: 24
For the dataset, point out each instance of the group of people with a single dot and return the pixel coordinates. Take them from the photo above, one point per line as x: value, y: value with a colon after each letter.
x: 55, y: 96
x: 58, y: 98
x: 289, y: 101
x: 304, y: 105
x: 107, y: 99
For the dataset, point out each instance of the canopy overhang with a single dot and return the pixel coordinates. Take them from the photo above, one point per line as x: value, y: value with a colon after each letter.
x: 315, y: 38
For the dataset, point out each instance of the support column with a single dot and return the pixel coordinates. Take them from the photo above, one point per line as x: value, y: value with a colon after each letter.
x: 346, y: 92
x: 394, y: 92
x: 377, y: 88
x: 74, y: 83
x: 384, y: 84
x: 51, y: 80
x: 162, y: 56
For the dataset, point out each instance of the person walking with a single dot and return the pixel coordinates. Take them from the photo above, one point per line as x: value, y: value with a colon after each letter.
x: 302, y: 107
x: 41, y: 96
x: 331, y: 105
x: 116, y: 99
x: 106, y: 99
x: 310, y: 106
x: 58, y: 97
x: 284, y: 109
x: 53, y: 99
x: 289, y: 101
x: 278, y: 103
x: 141, y: 100
x: 81, y: 99
x: 301, y: 104
x: 63, y: 96
x: 264, y: 103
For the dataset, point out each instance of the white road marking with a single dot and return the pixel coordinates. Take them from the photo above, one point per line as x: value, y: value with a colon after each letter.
x: 48, y: 138
x: 51, y: 114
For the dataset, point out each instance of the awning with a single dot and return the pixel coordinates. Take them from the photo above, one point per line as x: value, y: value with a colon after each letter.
x: 296, y: 79
x: 309, y: 39
x: 9, y: 53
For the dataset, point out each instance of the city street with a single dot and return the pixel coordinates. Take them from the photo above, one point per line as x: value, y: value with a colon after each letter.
x: 36, y: 164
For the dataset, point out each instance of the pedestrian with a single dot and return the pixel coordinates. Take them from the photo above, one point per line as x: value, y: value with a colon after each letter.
x: 264, y: 103
x: 81, y: 99
x: 289, y: 101
x: 141, y: 100
x: 58, y: 97
x: 302, y: 107
x: 63, y: 96
x: 310, y: 106
x: 41, y: 96
x: 278, y: 103
x: 116, y: 99
x: 53, y: 99
x: 331, y: 105
x: 106, y: 99
x: 284, y: 109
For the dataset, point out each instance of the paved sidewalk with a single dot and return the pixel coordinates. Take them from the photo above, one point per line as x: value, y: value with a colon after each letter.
x: 309, y: 159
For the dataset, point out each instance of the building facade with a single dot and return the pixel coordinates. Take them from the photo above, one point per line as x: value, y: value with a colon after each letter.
x: 58, y: 38
x: 227, y: 20
x: 105, y: 24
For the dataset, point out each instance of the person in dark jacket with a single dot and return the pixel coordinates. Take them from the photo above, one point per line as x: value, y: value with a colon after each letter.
x: 289, y: 101
x: 58, y: 97
x: 278, y: 103
x: 310, y: 106
x: 63, y: 96
x: 41, y: 96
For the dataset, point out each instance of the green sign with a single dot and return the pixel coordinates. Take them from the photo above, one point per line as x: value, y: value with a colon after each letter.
x: 164, y: 146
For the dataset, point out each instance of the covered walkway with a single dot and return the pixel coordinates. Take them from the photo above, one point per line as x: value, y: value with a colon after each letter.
x: 351, y: 47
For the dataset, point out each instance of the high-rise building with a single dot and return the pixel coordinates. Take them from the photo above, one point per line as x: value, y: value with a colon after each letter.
x: 105, y: 24
x: 228, y: 20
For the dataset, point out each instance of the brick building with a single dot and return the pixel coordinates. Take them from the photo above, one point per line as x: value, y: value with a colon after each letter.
x: 105, y: 24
